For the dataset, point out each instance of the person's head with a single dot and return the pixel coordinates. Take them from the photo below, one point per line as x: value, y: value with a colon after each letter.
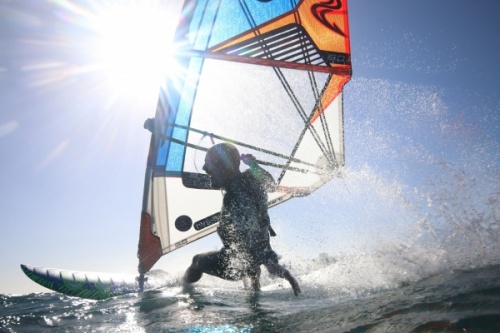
x: 222, y: 163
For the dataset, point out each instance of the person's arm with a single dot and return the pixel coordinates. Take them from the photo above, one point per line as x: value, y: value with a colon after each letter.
x: 276, y: 269
x: 259, y: 173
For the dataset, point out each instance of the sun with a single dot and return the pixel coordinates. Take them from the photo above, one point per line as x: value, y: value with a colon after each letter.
x: 133, y: 45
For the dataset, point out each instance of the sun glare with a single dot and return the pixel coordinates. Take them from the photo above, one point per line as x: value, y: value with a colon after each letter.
x: 133, y: 46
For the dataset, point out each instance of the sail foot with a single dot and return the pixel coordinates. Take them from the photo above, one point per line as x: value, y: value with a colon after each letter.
x: 149, y: 251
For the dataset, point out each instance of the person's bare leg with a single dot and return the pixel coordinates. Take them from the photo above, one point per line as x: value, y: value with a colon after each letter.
x: 193, y: 273
x: 252, y: 282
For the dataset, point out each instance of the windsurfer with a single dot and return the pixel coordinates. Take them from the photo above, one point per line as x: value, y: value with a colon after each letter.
x: 244, y: 226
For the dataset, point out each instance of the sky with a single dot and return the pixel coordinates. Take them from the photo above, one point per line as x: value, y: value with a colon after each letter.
x: 424, y: 90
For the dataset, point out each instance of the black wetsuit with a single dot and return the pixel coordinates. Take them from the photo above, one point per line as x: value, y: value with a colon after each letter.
x: 243, y: 229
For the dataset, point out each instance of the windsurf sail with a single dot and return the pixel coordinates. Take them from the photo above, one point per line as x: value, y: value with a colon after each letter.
x: 265, y: 75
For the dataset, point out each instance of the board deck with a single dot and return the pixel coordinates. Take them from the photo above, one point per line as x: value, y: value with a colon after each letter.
x: 89, y: 285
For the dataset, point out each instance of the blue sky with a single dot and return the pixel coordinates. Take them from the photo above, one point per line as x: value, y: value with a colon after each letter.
x: 424, y: 89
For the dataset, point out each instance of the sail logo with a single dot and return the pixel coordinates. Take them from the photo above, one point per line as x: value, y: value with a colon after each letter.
x: 181, y: 243
x: 335, y: 58
x: 321, y: 10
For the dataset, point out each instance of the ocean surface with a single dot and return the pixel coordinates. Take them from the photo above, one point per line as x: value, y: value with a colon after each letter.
x: 448, y: 301
x: 408, y: 241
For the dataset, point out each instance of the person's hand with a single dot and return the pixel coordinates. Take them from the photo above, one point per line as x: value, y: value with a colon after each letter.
x: 293, y: 282
x: 249, y: 159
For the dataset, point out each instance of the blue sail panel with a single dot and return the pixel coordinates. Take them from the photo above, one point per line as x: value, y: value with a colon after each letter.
x: 216, y: 21
x: 176, y: 111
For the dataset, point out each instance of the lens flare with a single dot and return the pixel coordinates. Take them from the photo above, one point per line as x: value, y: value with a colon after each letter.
x: 132, y: 46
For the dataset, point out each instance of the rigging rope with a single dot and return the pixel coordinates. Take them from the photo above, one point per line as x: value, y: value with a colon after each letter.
x: 328, y: 150
x: 239, y: 143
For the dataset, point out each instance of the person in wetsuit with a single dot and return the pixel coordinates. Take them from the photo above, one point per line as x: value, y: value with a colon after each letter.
x: 244, y: 226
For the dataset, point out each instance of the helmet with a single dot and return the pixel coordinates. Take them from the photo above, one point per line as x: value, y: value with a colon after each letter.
x: 225, y: 155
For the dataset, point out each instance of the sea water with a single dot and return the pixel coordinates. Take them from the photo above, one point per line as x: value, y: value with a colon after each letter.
x: 407, y: 241
x: 451, y: 301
